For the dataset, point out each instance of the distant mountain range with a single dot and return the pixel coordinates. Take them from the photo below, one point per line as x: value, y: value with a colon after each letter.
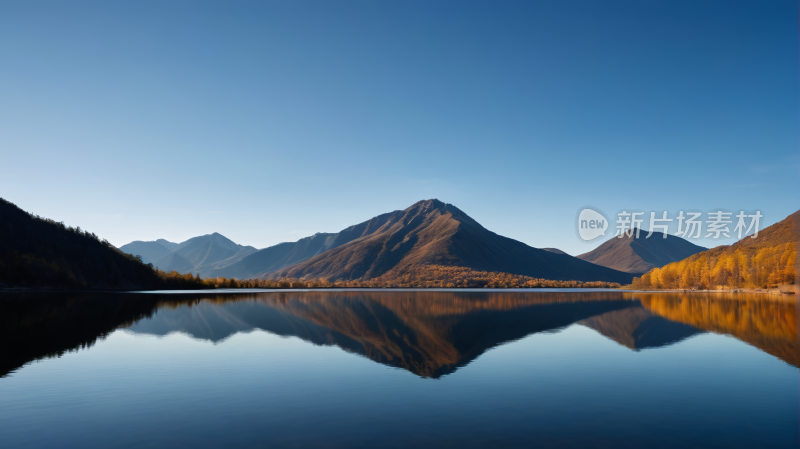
x: 427, y: 233
x: 282, y: 255
x: 429, y: 238
x: 639, y: 255
x: 199, y: 255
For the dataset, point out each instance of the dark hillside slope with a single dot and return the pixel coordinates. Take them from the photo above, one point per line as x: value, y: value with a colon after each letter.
x: 37, y: 252
x: 169, y: 245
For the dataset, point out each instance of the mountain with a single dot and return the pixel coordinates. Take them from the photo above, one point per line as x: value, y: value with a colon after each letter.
x: 203, y: 254
x: 554, y: 250
x: 148, y: 251
x: 768, y: 261
x: 639, y: 255
x: 174, y: 262
x: 282, y: 255
x: 38, y: 252
x: 434, y: 233
x: 169, y: 245
x: 781, y: 233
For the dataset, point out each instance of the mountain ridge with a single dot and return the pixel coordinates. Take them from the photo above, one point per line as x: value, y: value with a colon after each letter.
x: 431, y: 232
x: 197, y: 255
x: 639, y: 255
x: 286, y: 254
x: 148, y: 251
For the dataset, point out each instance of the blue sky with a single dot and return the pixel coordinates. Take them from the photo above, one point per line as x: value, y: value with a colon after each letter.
x: 270, y: 121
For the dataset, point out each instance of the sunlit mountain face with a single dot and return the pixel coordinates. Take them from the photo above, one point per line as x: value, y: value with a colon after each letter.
x: 430, y: 334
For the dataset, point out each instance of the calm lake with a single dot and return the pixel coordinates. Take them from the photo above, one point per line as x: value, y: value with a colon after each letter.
x: 545, y: 368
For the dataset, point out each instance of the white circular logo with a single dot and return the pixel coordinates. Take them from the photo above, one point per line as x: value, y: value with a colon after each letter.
x: 591, y: 224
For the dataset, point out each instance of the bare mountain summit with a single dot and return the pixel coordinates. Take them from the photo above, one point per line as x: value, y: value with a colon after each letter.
x: 434, y: 233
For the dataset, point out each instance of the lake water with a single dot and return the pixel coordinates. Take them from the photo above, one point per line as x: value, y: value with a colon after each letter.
x: 552, y: 368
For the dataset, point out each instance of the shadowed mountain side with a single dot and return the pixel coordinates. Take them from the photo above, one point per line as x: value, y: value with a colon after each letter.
x: 640, y: 255
x: 286, y: 254
x: 433, y: 233
x: 174, y: 261
x: 554, y: 250
x: 636, y: 328
x: 149, y: 251
x: 169, y: 245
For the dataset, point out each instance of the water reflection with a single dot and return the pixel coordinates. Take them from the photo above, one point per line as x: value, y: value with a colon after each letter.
x: 427, y: 333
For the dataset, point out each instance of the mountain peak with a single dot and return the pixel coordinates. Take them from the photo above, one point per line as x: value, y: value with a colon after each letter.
x: 638, y: 233
x: 167, y: 244
x: 633, y: 254
x: 433, y: 233
x: 432, y: 203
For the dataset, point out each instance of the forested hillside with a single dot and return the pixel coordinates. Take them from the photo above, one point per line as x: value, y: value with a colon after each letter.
x: 764, y: 262
x: 35, y: 251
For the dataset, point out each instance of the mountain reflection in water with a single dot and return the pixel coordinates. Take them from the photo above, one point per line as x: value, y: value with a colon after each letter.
x: 427, y: 333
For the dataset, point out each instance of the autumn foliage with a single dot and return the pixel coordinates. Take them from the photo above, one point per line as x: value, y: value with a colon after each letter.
x: 428, y: 276
x: 747, y: 267
x: 459, y: 277
x: 764, y: 262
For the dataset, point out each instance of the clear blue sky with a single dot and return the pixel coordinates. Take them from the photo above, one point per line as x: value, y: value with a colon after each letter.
x: 270, y: 121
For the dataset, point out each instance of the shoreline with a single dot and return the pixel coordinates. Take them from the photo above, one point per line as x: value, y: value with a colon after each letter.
x: 778, y: 293
x: 741, y: 290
